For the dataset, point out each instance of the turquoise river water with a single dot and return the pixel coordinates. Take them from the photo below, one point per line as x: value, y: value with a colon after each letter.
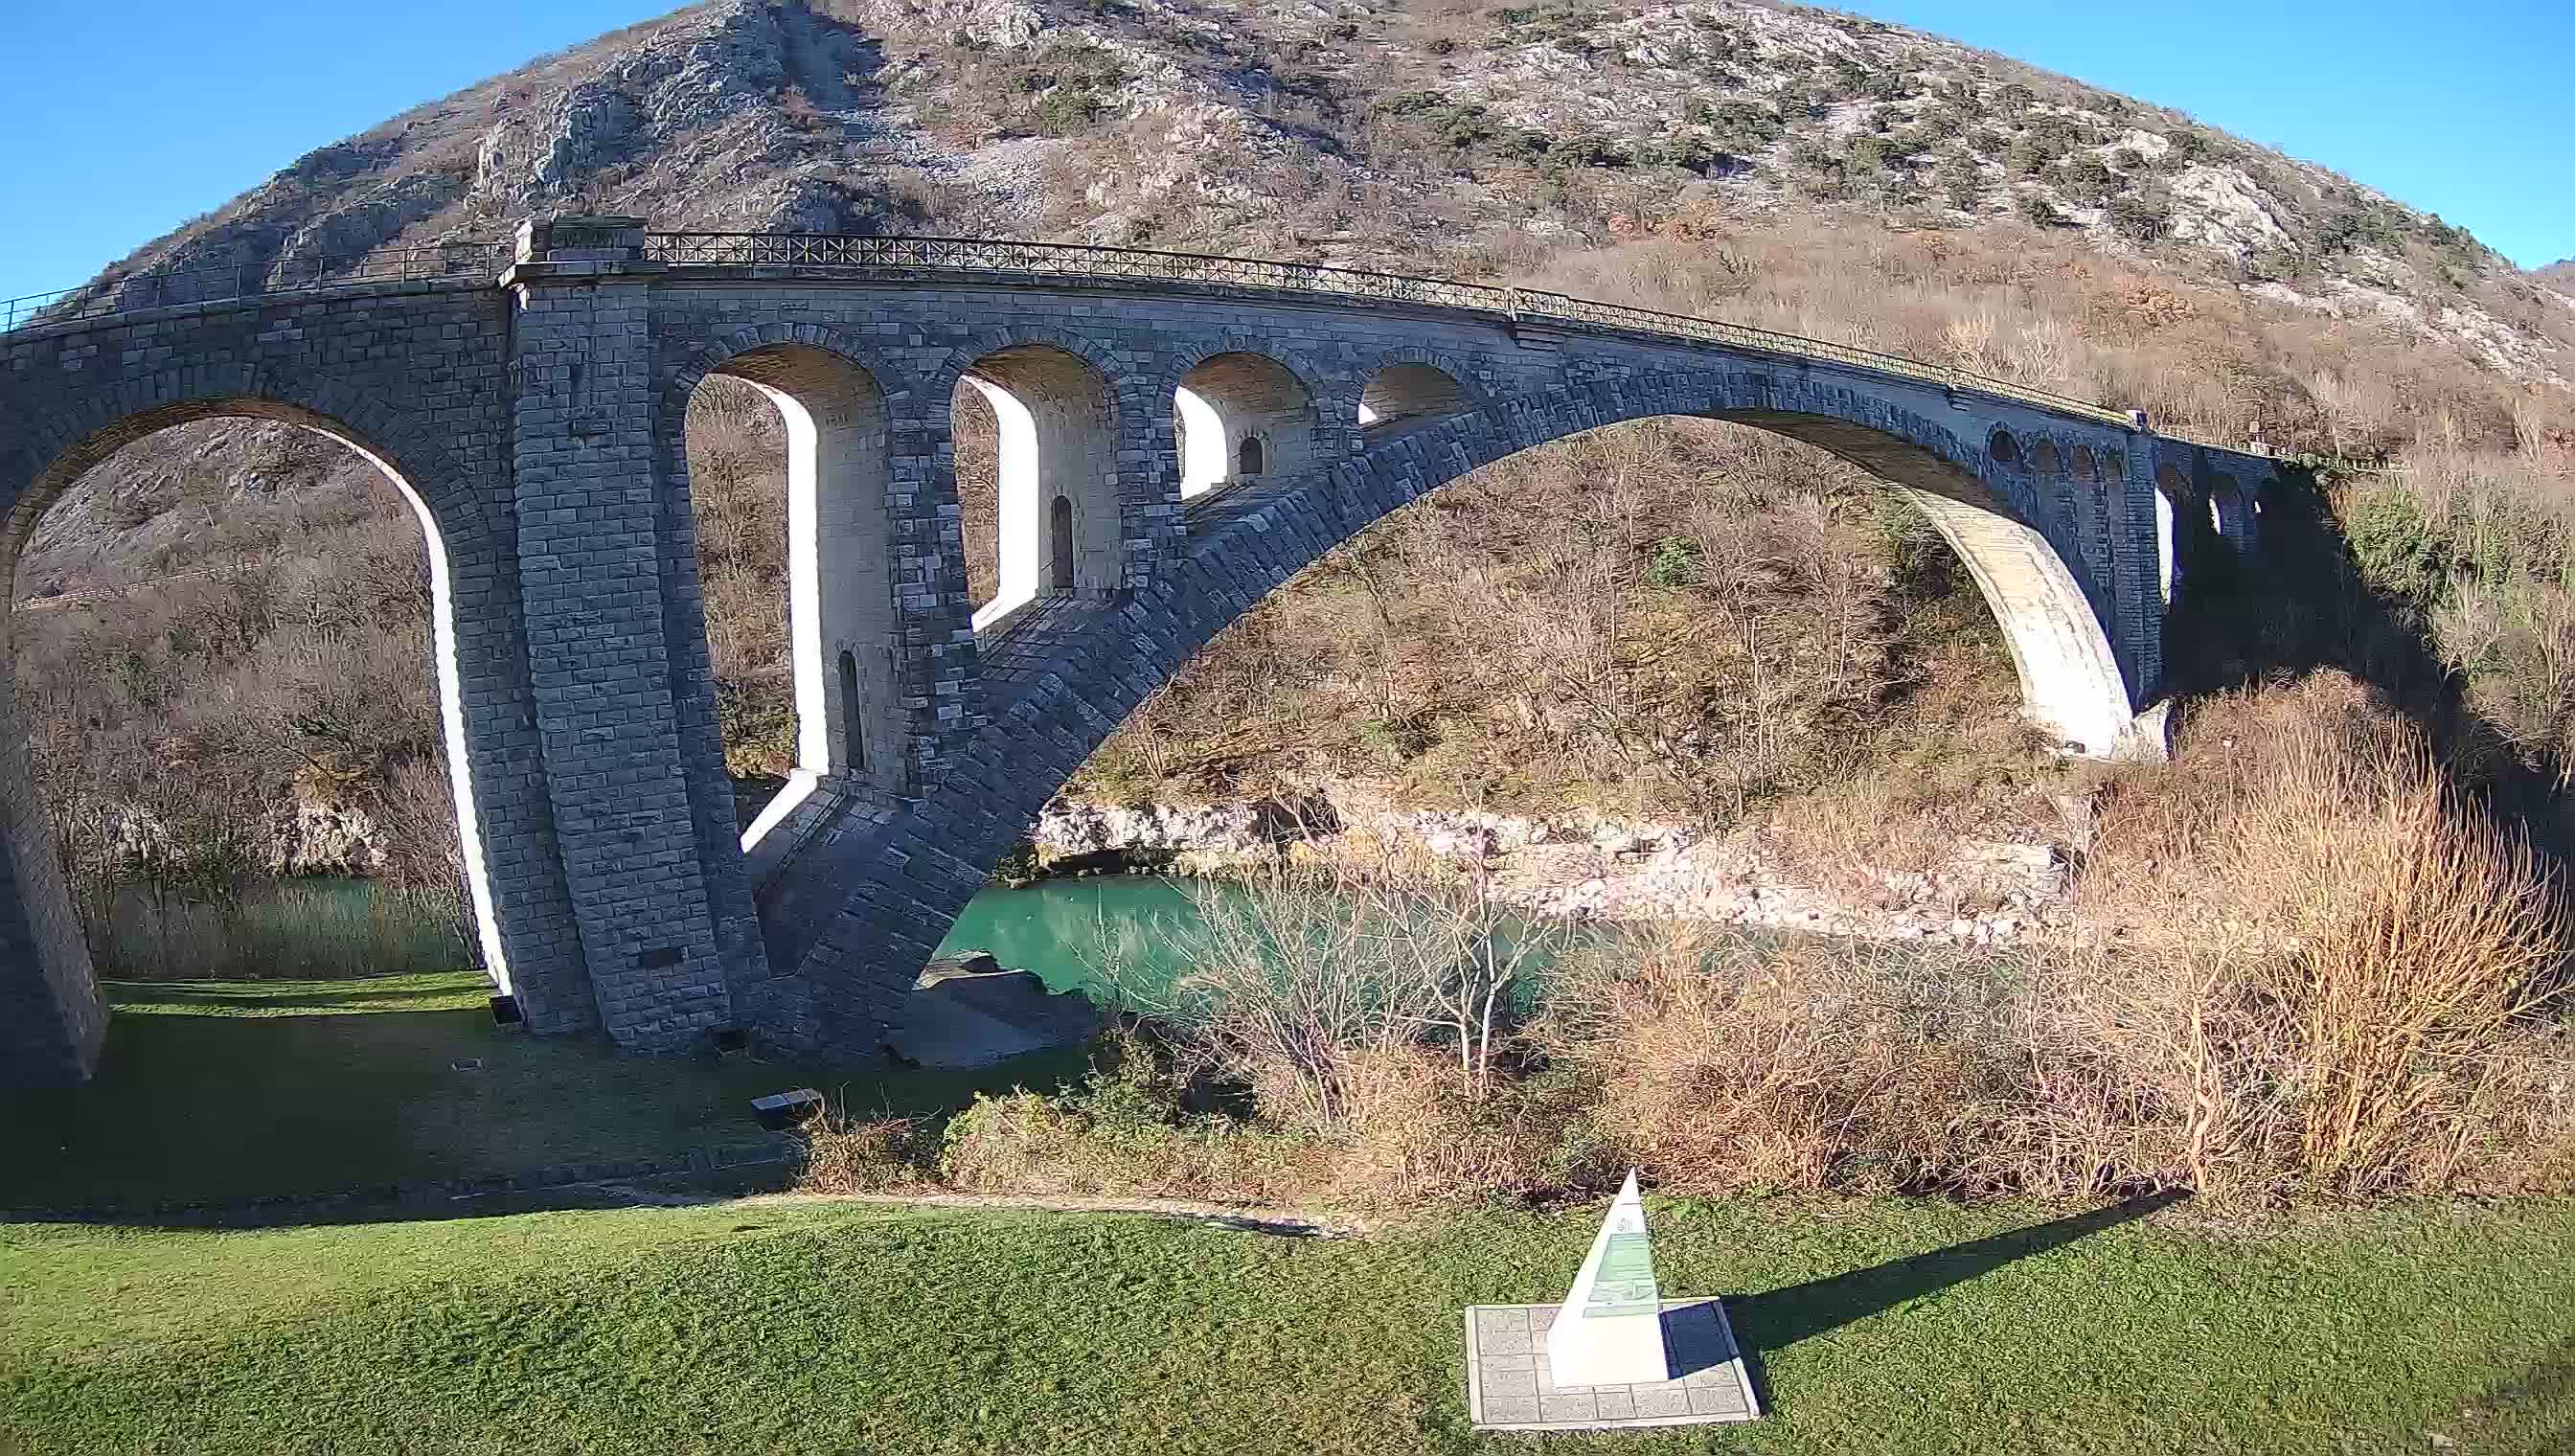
x: 1056, y: 927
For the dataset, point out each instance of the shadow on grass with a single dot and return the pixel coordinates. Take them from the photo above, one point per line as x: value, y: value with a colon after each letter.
x: 322, y: 1116
x: 363, y: 1206
x: 2537, y: 1396
x: 1769, y: 1322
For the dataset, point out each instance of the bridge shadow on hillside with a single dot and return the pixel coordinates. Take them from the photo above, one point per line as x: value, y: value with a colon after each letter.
x: 2301, y: 604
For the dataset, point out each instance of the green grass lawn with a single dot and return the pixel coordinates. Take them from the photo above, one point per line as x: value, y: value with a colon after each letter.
x: 223, y: 1089
x: 797, y: 1325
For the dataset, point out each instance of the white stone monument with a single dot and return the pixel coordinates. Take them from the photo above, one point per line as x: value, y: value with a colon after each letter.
x: 1610, y: 1330
x: 1614, y: 1355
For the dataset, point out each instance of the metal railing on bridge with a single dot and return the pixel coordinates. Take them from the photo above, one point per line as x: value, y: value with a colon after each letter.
x: 901, y: 256
x: 863, y: 255
x: 224, y: 282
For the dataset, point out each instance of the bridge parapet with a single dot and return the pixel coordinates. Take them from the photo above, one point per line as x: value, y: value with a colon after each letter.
x: 571, y: 244
x: 470, y: 261
x: 822, y: 255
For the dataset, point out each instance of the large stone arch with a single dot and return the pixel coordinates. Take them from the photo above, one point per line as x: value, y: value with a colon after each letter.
x: 907, y: 880
x: 473, y: 661
x: 846, y: 626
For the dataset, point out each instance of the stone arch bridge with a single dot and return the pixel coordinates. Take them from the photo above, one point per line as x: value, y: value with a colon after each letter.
x: 1177, y: 437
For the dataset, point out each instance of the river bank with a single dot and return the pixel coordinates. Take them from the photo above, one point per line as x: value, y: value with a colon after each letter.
x: 1959, y: 886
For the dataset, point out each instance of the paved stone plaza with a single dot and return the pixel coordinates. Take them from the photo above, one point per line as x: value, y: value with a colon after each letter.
x: 1508, y: 1388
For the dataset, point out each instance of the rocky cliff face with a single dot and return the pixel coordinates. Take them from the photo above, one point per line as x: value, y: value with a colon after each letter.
x: 692, y: 106
x: 1582, y: 866
x: 1444, y: 135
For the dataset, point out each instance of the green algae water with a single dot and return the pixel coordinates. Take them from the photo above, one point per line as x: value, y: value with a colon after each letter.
x: 1057, y: 927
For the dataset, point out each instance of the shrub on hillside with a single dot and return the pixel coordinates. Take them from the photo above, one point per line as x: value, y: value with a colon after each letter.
x: 1067, y: 111
x: 2470, y: 547
x: 1963, y: 181
x: 2089, y: 176
x: 2361, y: 972
x: 2141, y: 214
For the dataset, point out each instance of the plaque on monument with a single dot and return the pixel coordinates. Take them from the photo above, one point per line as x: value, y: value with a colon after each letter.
x: 1615, y: 1354
x: 1610, y: 1330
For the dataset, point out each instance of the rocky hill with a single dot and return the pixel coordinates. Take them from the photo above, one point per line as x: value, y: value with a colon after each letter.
x: 1444, y: 136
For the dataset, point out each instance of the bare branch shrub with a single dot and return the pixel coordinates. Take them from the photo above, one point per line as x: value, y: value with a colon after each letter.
x: 1307, y: 987
x: 2359, y: 957
x: 844, y: 1154
x: 1724, y: 1063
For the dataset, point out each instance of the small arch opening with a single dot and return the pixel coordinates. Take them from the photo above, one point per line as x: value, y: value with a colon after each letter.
x: 2228, y: 512
x: 2043, y: 458
x: 2172, y: 489
x: 788, y: 459
x: 2085, y: 466
x: 1238, y: 414
x: 1403, y: 394
x: 2005, y: 450
x: 852, y: 712
x: 1035, y: 458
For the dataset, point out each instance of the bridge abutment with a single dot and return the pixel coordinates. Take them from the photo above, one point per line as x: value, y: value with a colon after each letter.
x: 52, y: 1017
x: 615, y: 646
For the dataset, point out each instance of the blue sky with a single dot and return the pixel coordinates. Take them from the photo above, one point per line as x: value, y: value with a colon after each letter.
x: 130, y: 115
x: 2458, y: 107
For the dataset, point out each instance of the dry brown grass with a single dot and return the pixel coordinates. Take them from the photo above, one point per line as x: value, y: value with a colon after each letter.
x: 1405, y: 1138
x: 2363, y: 960
x: 1723, y: 1064
x: 2042, y: 310
x: 1023, y: 1143
x: 846, y: 1154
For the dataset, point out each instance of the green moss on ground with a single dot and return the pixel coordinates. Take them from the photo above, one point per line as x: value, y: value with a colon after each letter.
x: 799, y: 1325
x: 226, y: 1089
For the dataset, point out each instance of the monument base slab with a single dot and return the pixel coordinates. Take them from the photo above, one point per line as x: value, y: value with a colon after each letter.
x: 1509, y: 1387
